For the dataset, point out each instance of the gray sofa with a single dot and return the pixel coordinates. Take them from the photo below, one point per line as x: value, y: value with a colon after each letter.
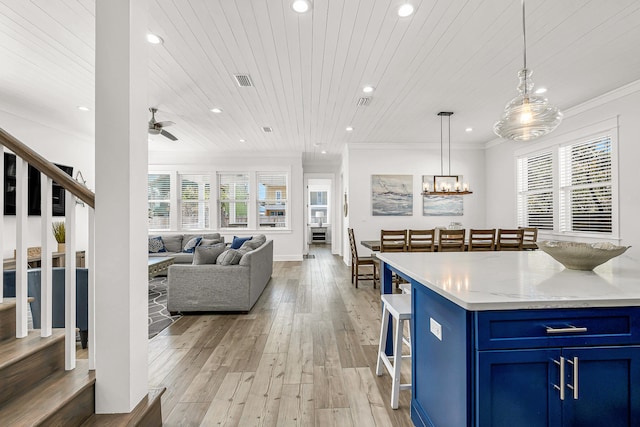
x: 213, y: 287
x: 174, y: 244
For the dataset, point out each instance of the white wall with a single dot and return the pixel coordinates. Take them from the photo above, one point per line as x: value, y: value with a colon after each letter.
x: 624, y: 104
x: 417, y: 160
x: 287, y: 244
x: 58, y: 147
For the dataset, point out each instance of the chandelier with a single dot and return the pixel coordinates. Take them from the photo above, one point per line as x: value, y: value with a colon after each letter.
x: 445, y: 185
x: 527, y: 116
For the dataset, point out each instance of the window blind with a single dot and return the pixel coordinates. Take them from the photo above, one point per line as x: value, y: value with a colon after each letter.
x: 159, y: 198
x: 195, y: 192
x: 585, y: 186
x: 233, y: 196
x: 535, y: 191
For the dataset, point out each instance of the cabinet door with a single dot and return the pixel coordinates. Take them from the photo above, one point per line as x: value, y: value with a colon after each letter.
x: 607, y: 384
x: 516, y: 388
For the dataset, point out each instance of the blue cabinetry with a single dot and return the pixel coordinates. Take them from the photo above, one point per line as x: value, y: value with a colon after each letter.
x: 551, y: 367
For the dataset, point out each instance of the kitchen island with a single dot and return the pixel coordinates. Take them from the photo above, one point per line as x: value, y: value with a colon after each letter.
x: 512, y: 338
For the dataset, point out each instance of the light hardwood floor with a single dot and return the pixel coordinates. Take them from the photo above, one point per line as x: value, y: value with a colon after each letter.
x: 304, y: 355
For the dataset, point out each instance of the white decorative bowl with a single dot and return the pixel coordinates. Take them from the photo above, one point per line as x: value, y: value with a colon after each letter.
x: 581, y: 256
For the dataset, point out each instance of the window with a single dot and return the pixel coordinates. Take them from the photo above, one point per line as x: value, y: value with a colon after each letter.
x: 272, y: 200
x: 568, y: 188
x: 585, y: 187
x: 535, y: 191
x: 195, y: 191
x: 233, y: 199
x: 318, y: 207
x: 158, y: 195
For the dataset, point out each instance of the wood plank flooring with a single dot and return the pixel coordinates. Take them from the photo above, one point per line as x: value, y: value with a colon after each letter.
x: 304, y: 355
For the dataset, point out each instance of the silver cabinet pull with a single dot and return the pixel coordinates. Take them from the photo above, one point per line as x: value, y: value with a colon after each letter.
x: 561, y: 386
x: 574, y: 387
x: 570, y: 329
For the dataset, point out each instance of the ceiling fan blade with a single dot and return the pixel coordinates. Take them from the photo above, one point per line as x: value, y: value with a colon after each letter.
x: 165, y: 123
x: 168, y: 135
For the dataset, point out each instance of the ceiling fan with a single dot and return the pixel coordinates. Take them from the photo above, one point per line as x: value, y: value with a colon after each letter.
x: 156, y: 128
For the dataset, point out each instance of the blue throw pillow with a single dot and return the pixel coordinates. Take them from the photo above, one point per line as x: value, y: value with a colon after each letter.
x: 156, y: 244
x: 238, y: 241
x: 191, y: 244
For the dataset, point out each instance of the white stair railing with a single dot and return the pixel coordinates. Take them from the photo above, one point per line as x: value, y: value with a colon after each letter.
x: 74, y: 192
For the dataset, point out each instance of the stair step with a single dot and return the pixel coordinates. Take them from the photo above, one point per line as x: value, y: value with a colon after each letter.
x: 65, y: 398
x: 8, y: 319
x: 27, y: 361
x: 147, y: 413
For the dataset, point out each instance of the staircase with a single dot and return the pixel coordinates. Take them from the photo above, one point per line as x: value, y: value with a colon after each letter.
x: 37, y: 391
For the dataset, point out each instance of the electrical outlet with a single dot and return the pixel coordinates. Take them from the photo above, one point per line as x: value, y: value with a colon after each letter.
x: 436, y: 328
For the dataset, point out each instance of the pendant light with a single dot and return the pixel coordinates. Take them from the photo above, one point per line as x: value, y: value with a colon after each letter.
x: 445, y: 185
x: 527, y: 116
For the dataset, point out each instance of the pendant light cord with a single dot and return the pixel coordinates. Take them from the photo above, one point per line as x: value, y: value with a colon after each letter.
x: 441, y: 153
x: 524, y: 36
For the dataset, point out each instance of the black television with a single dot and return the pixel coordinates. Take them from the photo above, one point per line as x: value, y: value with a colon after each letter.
x: 33, y: 191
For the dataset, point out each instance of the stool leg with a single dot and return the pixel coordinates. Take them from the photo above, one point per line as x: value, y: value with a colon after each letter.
x: 397, y: 363
x: 384, y: 327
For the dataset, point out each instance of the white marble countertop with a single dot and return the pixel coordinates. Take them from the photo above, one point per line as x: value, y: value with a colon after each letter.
x: 479, y: 281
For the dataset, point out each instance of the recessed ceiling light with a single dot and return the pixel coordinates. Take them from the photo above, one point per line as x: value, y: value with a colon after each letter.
x: 541, y: 90
x: 216, y: 110
x: 243, y: 140
x: 324, y: 151
x: 405, y: 10
x: 154, y: 39
x: 468, y: 130
x: 349, y: 128
x: 368, y: 89
x: 301, y: 6
x: 83, y: 108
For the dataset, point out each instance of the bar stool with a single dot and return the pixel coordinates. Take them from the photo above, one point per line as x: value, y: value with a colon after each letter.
x: 399, y: 307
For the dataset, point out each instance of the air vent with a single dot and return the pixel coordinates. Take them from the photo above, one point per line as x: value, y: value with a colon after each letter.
x: 267, y: 129
x: 364, y: 101
x: 243, y: 80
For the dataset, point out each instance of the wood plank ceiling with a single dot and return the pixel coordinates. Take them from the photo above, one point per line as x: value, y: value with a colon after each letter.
x: 308, y: 69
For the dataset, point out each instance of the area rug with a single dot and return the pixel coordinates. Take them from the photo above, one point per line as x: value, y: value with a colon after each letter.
x: 159, y: 317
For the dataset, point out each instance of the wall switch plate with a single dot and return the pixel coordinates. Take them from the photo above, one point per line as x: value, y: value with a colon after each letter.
x: 436, y: 328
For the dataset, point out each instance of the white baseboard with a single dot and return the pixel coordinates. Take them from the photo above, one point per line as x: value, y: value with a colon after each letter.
x: 287, y: 258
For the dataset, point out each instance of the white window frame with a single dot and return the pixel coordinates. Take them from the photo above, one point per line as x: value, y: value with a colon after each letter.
x: 277, y: 200
x: 202, y: 201
x: 170, y: 200
x: 607, y: 127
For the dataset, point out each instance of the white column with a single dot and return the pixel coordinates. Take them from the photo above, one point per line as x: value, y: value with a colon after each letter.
x: 121, y: 204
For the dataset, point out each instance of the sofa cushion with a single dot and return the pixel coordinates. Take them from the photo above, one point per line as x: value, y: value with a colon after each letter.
x: 209, y: 242
x: 238, y: 241
x: 254, y: 243
x: 156, y: 244
x: 172, y: 242
x: 190, y: 246
x: 230, y: 257
x: 207, y: 254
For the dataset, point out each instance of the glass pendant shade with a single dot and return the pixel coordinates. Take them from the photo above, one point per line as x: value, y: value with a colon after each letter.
x: 527, y: 116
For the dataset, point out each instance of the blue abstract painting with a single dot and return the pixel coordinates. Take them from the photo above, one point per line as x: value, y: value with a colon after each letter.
x: 442, y: 206
x: 392, y: 195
